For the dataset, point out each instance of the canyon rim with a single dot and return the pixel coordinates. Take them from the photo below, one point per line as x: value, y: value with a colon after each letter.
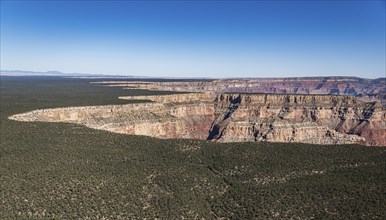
x: 328, y: 114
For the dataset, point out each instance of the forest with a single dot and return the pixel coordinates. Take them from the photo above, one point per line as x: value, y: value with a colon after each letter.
x: 68, y: 171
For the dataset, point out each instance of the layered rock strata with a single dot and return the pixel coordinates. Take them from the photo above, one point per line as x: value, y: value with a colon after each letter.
x: 175, y: 98
x: 162, y: 120
x: 365, y: 89
x: 234, y: 117
x: 322, y: 119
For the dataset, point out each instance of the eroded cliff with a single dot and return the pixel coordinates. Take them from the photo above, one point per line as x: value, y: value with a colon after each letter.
x: 322, y: 119
x: 234, y: 117
x: 365, y: 89
x: 163, y: 120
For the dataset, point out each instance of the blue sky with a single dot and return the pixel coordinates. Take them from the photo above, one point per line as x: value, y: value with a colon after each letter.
x: 196, y: 38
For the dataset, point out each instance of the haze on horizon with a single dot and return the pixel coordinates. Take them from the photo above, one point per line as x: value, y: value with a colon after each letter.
x: 196, y: 39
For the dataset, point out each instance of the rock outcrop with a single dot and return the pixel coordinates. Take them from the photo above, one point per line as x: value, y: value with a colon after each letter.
x: 234, y: 117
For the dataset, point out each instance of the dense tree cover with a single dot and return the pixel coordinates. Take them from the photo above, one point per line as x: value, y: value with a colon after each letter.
x: 66, y: 171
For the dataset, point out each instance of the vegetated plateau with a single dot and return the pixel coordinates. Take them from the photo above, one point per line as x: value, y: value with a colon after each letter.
x: 67, y: 171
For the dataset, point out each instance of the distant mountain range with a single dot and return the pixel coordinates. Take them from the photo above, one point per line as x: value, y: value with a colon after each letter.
x: 55, y: 73
x: 84, y: 75
x: 97, y: 75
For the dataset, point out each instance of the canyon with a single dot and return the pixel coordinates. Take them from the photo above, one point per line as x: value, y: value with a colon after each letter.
x: 365, y: 89
x: 234, y: 117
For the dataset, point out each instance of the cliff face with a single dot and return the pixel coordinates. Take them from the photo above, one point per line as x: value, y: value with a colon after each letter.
x: 175, y: 98
x: 162, y: 120
x: 298, y: 118
x: 231, y: 117
x: 366, y: 89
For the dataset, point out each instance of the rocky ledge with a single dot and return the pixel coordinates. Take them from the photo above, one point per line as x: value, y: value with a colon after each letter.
x: 365, y: 89
x: 234, y: 117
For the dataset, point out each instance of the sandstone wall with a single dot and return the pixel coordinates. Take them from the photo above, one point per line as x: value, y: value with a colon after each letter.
x: 152, y: 119
x: 366, y: 89
x: 298, y: 118
x: 234, y: 117
x: 173, y: 98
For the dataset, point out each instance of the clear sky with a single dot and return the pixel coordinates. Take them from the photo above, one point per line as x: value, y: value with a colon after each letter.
x: 196, y: 38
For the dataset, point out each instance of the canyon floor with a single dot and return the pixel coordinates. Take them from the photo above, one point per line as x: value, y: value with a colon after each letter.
x: 69, y: 170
